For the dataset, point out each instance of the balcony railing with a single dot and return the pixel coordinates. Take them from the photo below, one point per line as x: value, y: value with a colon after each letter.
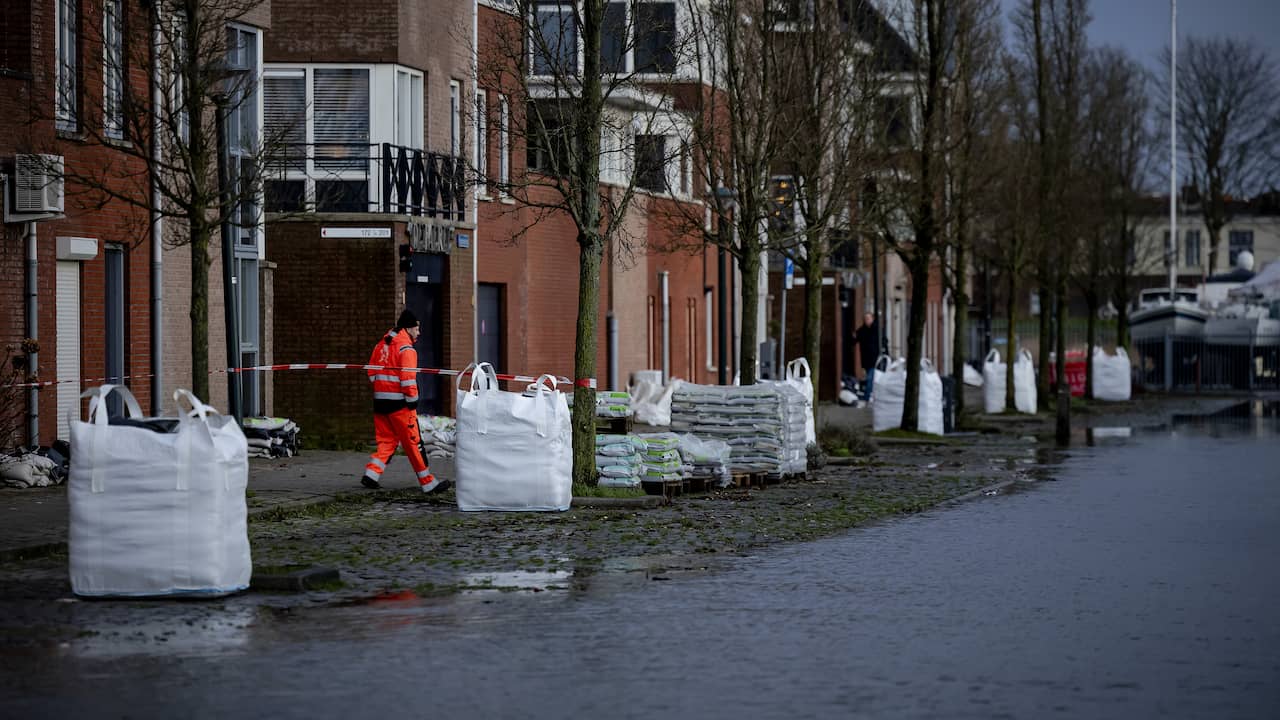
x: 364, y: 178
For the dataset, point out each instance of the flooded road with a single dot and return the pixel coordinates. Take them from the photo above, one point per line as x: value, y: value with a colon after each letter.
x: 1142, y: 582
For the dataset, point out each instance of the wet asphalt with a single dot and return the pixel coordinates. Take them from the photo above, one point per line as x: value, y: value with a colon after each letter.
x: 1140, y: 582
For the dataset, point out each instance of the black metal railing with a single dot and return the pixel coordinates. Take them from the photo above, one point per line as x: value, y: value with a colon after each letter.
x: 1191, y: 364
x: 364, y: 178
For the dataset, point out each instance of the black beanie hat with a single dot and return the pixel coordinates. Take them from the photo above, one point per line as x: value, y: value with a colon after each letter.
x: 406, y: 320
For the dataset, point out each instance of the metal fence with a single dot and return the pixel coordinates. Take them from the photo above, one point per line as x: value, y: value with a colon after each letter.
x: 1190, y: 364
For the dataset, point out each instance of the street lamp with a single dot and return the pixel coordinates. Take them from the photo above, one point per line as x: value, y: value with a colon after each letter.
x: 724, y: 195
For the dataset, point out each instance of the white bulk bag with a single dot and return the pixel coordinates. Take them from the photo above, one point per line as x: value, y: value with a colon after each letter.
x: 972, y: 376
x: 1112, y: 379
x: 1024, y: 383
x: 890, y: 396
x: 890, y: 386
x: 514, y: 451
x: 155, y: 513
x: 800, y: 376
x: 929, y: 412
x: 993, y: 383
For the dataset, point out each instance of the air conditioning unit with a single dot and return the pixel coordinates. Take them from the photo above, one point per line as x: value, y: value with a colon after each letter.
x: 37, y: 184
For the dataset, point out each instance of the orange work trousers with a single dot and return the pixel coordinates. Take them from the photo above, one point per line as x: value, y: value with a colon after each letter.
x: 399, y: 428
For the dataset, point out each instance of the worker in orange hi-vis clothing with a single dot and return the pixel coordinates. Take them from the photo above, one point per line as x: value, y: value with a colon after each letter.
x: 395, y: 405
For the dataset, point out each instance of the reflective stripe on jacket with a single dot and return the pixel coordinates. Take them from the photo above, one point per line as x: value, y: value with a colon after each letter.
x: 393, y: 386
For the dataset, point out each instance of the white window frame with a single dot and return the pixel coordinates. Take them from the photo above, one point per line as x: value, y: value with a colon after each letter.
x: 455, y: 118
x: 113, y: 76
x: 66, y: 64
x: 408, y: 83
x: 251, y: 106
x: 504, y: 145
x: 177, y: 23
x: 482, y: 142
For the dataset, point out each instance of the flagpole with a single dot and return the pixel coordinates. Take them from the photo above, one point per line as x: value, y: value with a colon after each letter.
x: 1173, y: 148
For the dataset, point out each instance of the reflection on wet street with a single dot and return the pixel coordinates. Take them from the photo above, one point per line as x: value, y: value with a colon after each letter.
x: 1141, y: 582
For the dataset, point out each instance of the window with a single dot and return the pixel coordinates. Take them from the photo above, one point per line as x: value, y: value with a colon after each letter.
x: 655, y: 28
x: 113, y: 70
x: 554, y: 41
x: 708, y: 301
x: 895, y: 120
x: 1238, y: 241
x: 651, y: 162
x: 550, y: 143
x: 482, y: 139
x: 68, y: 67
x: 1192, y: 258
x: 179, y: 116
x: 455, y: 118
x: 504, y: 142
x: 408, y: 92
x: 243, y: 139
x: 613, y: 41
x: 15, y: 41
x: 341, y: 118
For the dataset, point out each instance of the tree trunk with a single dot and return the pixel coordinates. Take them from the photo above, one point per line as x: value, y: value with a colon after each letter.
x: 1046, y: 341
x: 919, y: 268
x: 199, y: 312
x: 961, y: 328
x: 1091, y: 302
x: 584, y: 359
x: 813, y: 315
x: 1215, y: 234
x: 750, y: 306
x: 1010, y: 340
x: 1063, y: 429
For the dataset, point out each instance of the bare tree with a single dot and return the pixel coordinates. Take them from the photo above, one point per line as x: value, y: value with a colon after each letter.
x: 564, y: 64
x: 165, y: 159
x: 975, y: 127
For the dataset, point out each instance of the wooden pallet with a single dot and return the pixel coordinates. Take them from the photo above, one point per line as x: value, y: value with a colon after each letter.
x: 748, y: 479
x: 614, y: 426
x: 666, y: 488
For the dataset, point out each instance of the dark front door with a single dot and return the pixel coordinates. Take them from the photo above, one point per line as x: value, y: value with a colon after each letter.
x: 490, y: 316
x: 424, y: 296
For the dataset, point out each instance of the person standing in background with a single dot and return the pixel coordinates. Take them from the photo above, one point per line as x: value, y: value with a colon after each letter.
x: 867, y: 336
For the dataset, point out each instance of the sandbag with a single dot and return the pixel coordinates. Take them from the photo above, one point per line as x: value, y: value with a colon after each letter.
x: 1024, y: 383
x: 993, y: 383
x: 800, y: 377
x: 514, y: 451
x: 1112, y: 375
x: 972, y: 376
x: 157, y: 513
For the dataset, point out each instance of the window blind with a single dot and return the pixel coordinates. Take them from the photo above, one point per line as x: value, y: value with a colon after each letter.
x: 341, y: 127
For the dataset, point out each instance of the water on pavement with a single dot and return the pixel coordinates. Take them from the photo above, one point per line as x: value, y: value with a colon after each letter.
x: 1140, y: 583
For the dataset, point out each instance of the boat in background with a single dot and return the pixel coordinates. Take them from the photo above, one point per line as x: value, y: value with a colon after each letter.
x: 1157, y: 315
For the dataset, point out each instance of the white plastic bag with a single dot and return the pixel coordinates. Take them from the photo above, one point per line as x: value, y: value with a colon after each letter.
x: 993, y: 383
x: 1024, y: 383
x: 1112, y: 378
x: 799, y: 376
x: 890, y: 386
x: 651, y: 402
x: 157, y: 513
x: 972, y: 376
x: 890, y: 396
x: 514, y: 452
x: 929, y: 415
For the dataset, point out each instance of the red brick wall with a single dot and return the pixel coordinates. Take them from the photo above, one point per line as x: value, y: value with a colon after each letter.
x: 26, y: 126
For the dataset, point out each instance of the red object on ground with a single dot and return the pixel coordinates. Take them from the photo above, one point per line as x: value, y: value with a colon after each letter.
x: 1076, y: 372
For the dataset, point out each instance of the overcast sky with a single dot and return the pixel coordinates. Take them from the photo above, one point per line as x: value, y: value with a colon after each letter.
x: 1142, y: 26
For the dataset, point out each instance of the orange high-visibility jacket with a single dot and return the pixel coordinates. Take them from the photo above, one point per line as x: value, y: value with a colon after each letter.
x: 394, y: 388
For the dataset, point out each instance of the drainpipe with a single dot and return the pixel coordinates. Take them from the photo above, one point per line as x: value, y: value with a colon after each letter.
x: 33, y: 331
x: 666, y: 325
x: 475, y: 192
x: 157, y: 236
x: 611, y: 324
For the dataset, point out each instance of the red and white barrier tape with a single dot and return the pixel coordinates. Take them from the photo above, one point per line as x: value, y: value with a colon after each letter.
x: 582, y: 382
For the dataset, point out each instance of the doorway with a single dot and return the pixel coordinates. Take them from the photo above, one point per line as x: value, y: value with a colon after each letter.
x: 489, y: 301
x: 424, y: 297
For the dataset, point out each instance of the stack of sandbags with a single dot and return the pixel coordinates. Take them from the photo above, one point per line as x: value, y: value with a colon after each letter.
x: 438, y: 434
x: 609, y: 403
x: 660, y: 458
x: 271, y: 437
x: 796, y: 415
x: 29, y: 470
x: 619, y: 460
x: 706, y: 459
x: 749, y: 418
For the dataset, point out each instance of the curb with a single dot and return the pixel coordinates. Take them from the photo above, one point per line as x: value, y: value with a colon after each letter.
x: 993, y: 489
x: 637, y: 503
